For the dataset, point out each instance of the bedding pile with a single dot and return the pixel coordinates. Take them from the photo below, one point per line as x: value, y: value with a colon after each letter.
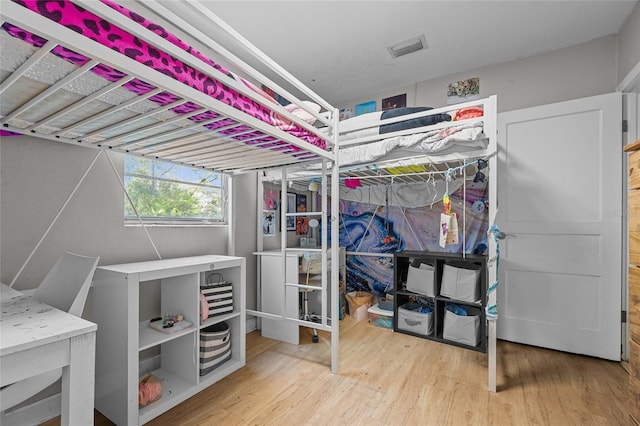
x: 461, y: 135
x: 448, y: 139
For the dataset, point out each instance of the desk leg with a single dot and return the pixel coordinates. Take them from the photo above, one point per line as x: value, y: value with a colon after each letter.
x: 78, y: 381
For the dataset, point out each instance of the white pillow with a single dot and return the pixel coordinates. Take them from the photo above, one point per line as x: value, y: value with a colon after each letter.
x: 301, y: 113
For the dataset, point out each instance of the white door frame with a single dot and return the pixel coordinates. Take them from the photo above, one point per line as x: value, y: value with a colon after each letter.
x: 630, y: 87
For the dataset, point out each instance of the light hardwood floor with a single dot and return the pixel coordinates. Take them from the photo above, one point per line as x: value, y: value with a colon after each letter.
x: 388, y: 378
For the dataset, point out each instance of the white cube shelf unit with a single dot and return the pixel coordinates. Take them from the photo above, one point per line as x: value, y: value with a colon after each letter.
x: 125, y: 342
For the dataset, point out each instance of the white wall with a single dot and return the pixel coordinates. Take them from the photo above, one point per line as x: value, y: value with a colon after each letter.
x: 629, y: 44
x: 578, y: 71
x: 244, y: 221
x: 37, y: 176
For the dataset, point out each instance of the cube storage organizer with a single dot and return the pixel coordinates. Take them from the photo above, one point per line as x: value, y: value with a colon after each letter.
x: 215, y: 347
x: 435, y: 279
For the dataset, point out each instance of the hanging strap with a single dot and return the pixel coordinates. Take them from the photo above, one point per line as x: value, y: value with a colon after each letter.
x: 492, y: 310
x: 55, y: 219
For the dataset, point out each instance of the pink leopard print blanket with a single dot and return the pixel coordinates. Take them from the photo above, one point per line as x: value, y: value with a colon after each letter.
x: 66, y: 13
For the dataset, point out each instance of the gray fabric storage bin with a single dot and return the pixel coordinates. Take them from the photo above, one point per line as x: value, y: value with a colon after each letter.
x: 215, y: 347
x: 462, y: 329
x: 422, y: 280
x: 461, y: 283
x: 416, y: 322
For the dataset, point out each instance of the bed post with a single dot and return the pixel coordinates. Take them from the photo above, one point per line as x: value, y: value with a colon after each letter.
x: 491, y: 110
x: 335, y: 247
x: 231, y: 224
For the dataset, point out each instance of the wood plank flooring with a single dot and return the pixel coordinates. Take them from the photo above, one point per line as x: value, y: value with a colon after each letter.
x: 388, y: 378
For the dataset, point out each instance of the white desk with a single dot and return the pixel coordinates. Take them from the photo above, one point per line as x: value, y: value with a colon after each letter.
x: 36, y: 338
x: 274, y: 295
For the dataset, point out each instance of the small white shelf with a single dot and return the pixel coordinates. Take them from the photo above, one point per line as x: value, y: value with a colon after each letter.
x: 218, y: 319
x: 123, y: 335
x: 174, y: 390
x: 148, y: 337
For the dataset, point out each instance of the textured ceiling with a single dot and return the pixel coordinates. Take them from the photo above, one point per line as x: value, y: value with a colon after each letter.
x: 338, y: 48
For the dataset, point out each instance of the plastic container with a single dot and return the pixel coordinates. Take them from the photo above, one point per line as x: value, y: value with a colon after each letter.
x: 386, y: 304
x: 380, y: 317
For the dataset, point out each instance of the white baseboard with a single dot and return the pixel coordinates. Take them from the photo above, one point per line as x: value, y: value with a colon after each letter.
x: 252, y: 324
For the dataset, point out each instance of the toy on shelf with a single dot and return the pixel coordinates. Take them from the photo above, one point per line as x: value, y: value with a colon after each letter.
x: 170, y: 323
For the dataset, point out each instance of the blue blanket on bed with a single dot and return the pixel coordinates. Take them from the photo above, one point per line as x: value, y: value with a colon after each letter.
x: 409, y: 124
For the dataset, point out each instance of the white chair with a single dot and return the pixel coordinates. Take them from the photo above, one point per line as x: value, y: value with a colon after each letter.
x: 311, y: 265
x: 64, y: 287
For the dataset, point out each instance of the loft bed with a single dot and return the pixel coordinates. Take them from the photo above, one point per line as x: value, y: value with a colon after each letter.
x: 98, y: 75
x: 61, y: 83
x: 412, y: 142
x: 423, y: 153
x: 134, y: 88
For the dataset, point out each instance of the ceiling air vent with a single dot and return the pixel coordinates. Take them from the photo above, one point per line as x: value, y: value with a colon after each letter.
x: 407, y: 46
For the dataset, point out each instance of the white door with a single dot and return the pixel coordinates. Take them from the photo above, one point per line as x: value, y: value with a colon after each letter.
x: 560, y: 195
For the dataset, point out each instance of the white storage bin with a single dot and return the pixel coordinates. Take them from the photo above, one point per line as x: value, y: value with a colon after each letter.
x: 460, y: 283
x: 416, y: 322
x: 462, y: 329
x: 422, y: 280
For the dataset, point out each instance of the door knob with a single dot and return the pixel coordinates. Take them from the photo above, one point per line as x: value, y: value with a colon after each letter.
x: 502, y: 235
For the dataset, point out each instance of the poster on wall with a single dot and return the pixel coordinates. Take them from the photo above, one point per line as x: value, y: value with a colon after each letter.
x: 369, y: 227
x: 301, y: 222
x: 345, y: 113
x: 270, y: 200
x: 302, y: 225
x: 291, y: 208
x: 398, y: 101
x: 463, y: 91
x: 365, y: 107
x: 268, y: 223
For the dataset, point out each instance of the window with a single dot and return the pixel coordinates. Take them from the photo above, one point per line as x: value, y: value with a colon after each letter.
x: 172, y: 194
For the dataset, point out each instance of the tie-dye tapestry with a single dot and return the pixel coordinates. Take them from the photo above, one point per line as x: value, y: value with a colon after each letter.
x: 391, y: 228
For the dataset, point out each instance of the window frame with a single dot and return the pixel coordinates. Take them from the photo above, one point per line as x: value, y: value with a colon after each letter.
x: 138, y: 220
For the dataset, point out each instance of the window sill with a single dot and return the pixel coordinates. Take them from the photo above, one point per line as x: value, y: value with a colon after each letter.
x: 137, y: 224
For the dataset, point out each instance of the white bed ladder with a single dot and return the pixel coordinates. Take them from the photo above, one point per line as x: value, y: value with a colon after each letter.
x: 328, y: 321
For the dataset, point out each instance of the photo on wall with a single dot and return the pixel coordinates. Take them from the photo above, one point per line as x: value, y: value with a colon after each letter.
x: 291, y: 208
x: 365, y: 107
x: 302, y: 225
x: 268, y: 223
x: 345, y: 113
x: 398, y: 101
x: 463, y: 91
x: 301, y: 222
